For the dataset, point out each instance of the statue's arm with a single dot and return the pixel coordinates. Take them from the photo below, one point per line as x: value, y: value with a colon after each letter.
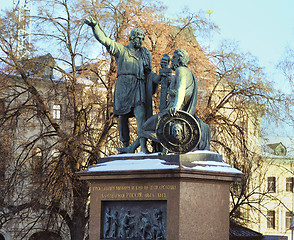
x: 155, y: 78
x: 181, y: 80
x: 97, y: 31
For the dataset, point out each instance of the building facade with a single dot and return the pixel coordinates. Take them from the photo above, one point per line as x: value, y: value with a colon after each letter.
x: 276, y: 200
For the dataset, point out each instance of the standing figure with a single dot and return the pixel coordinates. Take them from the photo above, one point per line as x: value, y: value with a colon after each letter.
x: 146, y: 226
x: 128, y: 224
x: 107, y: 224
x: 115, y: 225
x: 165, y: 75
x: 158, y: 227
x: 164, y: 78
x: 134, y: 64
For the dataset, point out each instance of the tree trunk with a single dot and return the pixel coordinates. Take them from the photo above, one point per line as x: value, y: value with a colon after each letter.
x: 79, y: 216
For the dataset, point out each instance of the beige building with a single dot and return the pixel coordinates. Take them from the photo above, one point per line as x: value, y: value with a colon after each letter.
x: 28, y: 156
x: 34, y: 155
x: 275, y: 182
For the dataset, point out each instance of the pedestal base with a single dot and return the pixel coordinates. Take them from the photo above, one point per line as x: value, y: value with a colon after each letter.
x: 151, y: 198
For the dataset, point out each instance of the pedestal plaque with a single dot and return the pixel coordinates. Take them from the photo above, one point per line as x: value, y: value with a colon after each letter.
x: 134, y: 220
x: 176, y: 198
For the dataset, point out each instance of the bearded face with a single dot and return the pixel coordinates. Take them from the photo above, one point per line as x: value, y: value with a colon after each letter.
x: 178, y: 132
x: 137, y: 42
x: 175, y: 62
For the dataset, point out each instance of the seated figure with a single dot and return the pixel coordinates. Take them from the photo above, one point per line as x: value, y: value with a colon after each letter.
x: 183, y: 92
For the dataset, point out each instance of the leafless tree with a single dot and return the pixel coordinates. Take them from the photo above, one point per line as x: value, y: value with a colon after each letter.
x: 57, y: 107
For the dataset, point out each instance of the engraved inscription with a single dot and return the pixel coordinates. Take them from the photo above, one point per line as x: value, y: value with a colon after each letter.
x: 135, y: 188
x: 134, y: 192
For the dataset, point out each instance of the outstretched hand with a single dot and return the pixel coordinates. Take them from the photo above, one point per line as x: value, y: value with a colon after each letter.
x: 90, y: 21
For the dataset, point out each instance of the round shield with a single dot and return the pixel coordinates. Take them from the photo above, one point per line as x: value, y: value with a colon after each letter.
x: 179, y: 133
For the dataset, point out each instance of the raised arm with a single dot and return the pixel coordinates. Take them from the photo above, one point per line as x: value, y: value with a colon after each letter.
x: 98, y: 33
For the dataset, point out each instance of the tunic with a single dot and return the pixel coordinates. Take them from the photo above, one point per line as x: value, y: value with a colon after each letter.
x: 132, y: 69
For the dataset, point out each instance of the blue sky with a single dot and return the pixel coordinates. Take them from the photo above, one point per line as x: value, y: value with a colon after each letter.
x: 5, y: 4
x: 262, y: 27
x: 265, y: 28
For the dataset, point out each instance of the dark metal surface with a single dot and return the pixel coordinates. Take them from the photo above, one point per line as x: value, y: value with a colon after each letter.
x: 165, y: 81
x: 134, y: 220
x: 179, y: 133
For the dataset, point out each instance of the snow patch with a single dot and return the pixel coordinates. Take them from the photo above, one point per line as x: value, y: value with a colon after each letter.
x: 127, y: 165
x: 139, y: 154
x: 213, y: 167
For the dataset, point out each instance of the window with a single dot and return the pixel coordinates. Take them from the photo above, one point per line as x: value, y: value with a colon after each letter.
x: 45, y: 235
x: 280, y: 150
x: 37, y: 165
x: 271, y: 219
x: 2, y: 107
x: 3, y: 159
x: 237, y: 188
x: 288, y: 220
x: 289, y: 184
x: 271, y: 184
x: 56, y: 111
x: 3, y: 156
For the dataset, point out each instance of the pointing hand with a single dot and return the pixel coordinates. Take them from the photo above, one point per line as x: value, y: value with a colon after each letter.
x: 90, y: 21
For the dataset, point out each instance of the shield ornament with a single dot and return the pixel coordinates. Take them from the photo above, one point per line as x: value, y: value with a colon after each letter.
x: 179, y: 133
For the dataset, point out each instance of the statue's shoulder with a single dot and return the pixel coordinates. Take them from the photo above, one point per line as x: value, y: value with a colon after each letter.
x: 145, y: 50
x: 182, y: 70
x: 125, y: 47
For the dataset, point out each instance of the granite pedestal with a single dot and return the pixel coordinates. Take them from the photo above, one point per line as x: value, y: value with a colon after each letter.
x: 174, y: 197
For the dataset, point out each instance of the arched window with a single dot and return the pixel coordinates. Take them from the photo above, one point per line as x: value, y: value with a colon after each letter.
x: 45, y: 235
x: 56, y: 111
x: 2, y: 109
x: 4, y: 235
x: 3, y: 161
x: 37, y: 164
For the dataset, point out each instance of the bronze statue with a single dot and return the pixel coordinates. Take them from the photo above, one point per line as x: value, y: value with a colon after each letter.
x: 183, y: 93
x: 164, y: 78
x: 134, y: 64
x: 176, y: 127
